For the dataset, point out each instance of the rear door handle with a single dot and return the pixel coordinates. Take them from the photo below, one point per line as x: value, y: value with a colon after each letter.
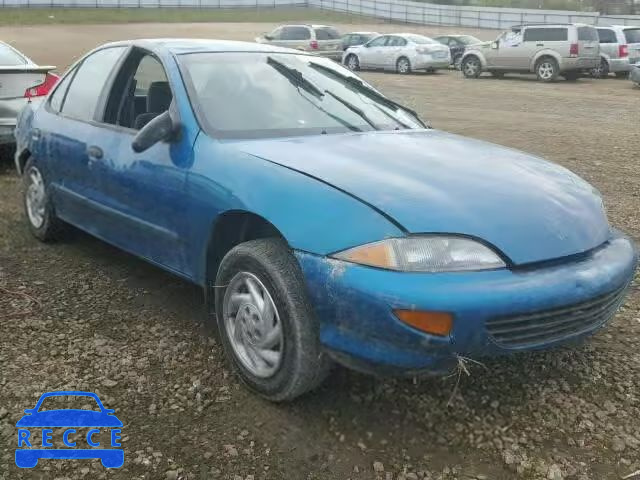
x: 94, y: 152
x: 539, y: 44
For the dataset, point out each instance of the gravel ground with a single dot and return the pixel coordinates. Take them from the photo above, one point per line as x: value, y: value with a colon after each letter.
x: 83, y: 315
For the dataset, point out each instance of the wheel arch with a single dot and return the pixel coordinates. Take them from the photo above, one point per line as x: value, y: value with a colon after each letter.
x: 475, y: 53
x: 545, y: 53
x: 232, y: 228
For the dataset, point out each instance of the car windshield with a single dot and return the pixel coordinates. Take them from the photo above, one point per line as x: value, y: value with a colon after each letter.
x: 632, y: 35
x: 419, y: 39
x: 257, y: 95
x: 468, y: 39
x: 9, y: 57
x: 65, y: 402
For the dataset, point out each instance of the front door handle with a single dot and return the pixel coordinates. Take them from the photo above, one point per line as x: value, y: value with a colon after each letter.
x: 94, y: 152
x: 539, y: 44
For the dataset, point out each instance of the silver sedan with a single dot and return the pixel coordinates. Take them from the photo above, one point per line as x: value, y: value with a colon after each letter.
x: 402, y: 52
x: 21, y: 81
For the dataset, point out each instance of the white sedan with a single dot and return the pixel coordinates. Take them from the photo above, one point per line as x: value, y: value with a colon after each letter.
x: 21, y: 81
x: 402, y: 52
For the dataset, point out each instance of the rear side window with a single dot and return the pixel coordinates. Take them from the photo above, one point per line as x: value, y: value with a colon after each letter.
x: 607, y: 36
x: 295, y: 33
x: 327, y: 33
x: 58, y: 95
x: 84, y: 93
x: 546, y: 34
x: 587, y: 34
x: 632, y: 35
x: 8, y: 56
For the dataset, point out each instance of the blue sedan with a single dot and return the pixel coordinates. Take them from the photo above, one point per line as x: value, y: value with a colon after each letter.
x: 325, y: 222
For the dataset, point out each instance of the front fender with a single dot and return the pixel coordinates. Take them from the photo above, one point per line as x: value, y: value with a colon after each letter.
x: 544, y: 53
x: 313, y: 216
x: 476, y: 52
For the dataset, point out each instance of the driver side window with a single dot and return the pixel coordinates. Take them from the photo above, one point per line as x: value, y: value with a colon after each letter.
x: 378, y: 42
x: 140, y: 93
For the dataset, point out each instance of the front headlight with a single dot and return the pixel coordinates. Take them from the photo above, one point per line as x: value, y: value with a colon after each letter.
x: 426, y: 253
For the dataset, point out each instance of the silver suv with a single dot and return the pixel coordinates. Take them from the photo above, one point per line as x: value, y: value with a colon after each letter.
x: 321, y: 39
x: 619, y: 49
x: 548, y: 50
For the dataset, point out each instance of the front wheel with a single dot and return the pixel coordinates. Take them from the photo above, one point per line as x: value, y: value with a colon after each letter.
x: 403, y: 66
x: 267, y: 327
x: 39, y: 209
x: 471, y: 67
x: 352, y: 63
x: 547, y: 69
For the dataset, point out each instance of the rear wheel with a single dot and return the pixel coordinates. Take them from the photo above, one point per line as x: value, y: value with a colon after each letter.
x: 547, y: 69
x: 352, y: 62
x: 602, y: 70
x: 471, y: 67
x: 403, y: 65
x: 267, y: 327
x: 39, y: 209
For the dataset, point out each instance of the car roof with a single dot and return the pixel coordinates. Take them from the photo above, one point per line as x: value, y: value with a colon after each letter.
x: 190, y: 45
x: 362, y: 33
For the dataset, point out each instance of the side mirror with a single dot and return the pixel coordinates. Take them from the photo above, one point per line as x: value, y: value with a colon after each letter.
x: 161, y: 129
x: 494, y: 45
x: 267, y: 37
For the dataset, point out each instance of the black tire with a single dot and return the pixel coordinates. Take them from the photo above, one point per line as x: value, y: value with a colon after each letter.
x: 602, y: 71
x: 352, y: 62
x: 571, y: 76
x: 471, y: 66
x: 497, y: 74
x: 456, y: 61
x: 51, y: 228
x: 403, y: 66
x: 547, y: 69
x: 303, y: 365
x: 622, y: 74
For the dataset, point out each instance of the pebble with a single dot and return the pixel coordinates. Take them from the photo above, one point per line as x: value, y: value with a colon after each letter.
x: 378, y: 467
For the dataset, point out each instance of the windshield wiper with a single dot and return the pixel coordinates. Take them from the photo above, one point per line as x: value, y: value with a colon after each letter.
x: 357, y: 110
x: 367, y: 91
x: 295, y: 77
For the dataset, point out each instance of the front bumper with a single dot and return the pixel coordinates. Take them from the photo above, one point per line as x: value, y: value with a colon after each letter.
x: 355, y: 306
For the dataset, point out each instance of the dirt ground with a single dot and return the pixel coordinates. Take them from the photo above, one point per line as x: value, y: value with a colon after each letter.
x: 83, y: 315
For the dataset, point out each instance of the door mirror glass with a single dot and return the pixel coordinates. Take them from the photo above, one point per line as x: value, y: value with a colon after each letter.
x: 162, y: 128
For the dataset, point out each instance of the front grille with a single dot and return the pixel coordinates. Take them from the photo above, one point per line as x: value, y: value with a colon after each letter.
x: 549, y: 325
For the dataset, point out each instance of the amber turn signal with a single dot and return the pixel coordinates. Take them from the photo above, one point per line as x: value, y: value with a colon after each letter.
x: 435, y: 323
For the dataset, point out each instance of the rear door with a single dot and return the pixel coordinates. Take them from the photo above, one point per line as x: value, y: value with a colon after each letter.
x: 70, y: 135
x: 632, y: 37
x: 588, y: 42
x: 393, y: 49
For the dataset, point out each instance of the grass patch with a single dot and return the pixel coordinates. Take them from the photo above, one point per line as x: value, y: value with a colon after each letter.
x: 84, y: 15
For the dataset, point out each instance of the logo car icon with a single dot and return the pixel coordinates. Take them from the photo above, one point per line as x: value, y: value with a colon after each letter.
x: 69, y: 419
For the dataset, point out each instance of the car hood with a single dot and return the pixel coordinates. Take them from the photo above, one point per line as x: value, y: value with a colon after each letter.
x: 69, y: 418
x: 431, y: 181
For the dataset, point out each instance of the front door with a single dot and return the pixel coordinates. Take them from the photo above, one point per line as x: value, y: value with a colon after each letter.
x: 144, y: 193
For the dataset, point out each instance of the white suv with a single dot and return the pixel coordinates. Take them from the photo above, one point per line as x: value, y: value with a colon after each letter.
x: 548, y: 50
x: 619, y: 49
